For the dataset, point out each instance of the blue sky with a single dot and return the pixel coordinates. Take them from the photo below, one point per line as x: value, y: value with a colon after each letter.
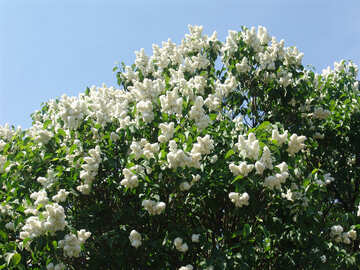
x: 54, y: 47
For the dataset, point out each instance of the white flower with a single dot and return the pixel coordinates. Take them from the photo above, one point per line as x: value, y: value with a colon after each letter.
x: 90, y: 170
x: 61, y: 196
x: 248, y: 148
x: 239, y: 200
x: 336, y: 230
x: 10, y: 226
x: 195, y: 238
x: 83, y: 235
x: 135, y: 239
x: 283, y: 167
x: 40, y: 197
x: 243, y: 67
x: 55, y: 218
x: 114, y: 137
x: 180, y: 245
x: 59, y: 266
x: 295, y: 144
x: 184, y: 186
x: 203, y: 146
x: 320, y: 113
x: 266, y: 158
x: 352, y: 234
x: 242, y: 169
x: 187, y: 267
x: 323, y: 259
x: 153, y: 207
x: 275, y: 181
x: 72, y: 244
x: 130, y: 180
x: 167, y: 132
x: 259, y: 166
x: 279, y: 138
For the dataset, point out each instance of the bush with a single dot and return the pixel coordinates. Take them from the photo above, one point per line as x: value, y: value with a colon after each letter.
x: 211, y: 155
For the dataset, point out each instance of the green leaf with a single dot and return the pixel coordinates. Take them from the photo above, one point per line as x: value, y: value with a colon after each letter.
x: 61, y: 132
x: 229, y: 153
x: 3, y: 235
x: 16, y: 258
x: 246, y: 230
x: 47, y: 123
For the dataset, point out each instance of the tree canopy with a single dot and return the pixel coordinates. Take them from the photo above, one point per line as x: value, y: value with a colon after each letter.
x: 209, y: 155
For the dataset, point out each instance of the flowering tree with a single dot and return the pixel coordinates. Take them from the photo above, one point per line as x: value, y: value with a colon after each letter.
x: 211, y: 155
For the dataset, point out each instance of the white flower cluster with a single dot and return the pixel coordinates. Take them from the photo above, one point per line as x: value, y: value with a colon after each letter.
x: 171, y: 103
x: 144, y: 148
x: 296, y: 143
x: 135, y: 239
x: 203, y: 146
x: 59, y: 266
x: 266, y: 161
x: 2, y: 163
x: 10, y: 226
x: 40, y: 197
x: 60, y: 196
x: 6, y: 132
x: 130, y: 180
x: 71, y: 244
x: 186, y: 267
x: 90, y: 170
x: 178, y: 158
x: 53, y: 220
x: 222, y: 90
x: 256, y: 40
x: 2, y: 144
x: 343, y: 237
x: 184, y: 186
x: 5, y: 209
x: 146, y: 110
x: 180, y: 245
x: 279, y: 138
x: 167, y: 132
x: 242, y: 169
x: 320, y: 113
x: 153, y: 207
x: 248, y: 148
x: 275, y: 181
x: 71, y: 111
x: 198, y: 114
x: 195, y: 238
x: 243, y: 66
x: 239, y: 199
x: 102, y: 104
x: 292, y: 193
x: 40, y: 134
x: 48, y: 181
x: 358, y: 211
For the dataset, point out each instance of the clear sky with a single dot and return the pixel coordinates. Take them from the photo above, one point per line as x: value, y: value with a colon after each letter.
x: 54, y: 47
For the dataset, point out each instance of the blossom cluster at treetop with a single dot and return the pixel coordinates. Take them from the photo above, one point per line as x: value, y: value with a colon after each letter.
x: 210, y: 155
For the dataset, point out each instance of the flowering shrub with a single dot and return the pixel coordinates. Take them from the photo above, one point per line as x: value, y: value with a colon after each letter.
x: 211, y: 155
